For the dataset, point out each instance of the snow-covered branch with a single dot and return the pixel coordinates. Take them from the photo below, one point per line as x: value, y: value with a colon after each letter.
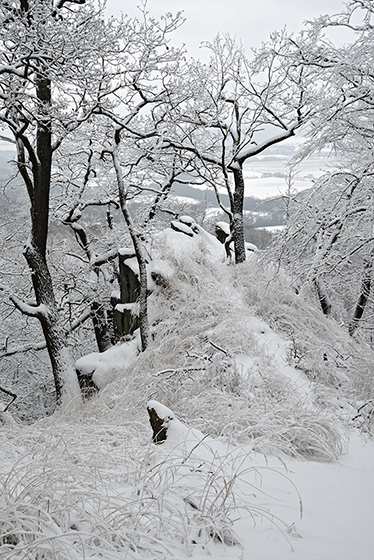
x: 251, y: 151
x: 7, y: 352
x: 28, y: 309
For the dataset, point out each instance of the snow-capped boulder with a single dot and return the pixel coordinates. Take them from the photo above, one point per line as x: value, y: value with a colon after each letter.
x: 97, y: 369
x: 160, y: 417
x: 180, y: 227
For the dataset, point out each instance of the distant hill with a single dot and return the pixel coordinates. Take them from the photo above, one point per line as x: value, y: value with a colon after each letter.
x: 265, y: 183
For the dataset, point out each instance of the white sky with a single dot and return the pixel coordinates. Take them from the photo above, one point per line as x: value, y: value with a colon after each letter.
x: 250, y: 21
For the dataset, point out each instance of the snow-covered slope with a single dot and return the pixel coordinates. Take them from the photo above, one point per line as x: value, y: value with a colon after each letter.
x: 257, y: 381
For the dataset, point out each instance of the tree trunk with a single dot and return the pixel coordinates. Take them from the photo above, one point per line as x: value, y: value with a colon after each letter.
x: 138, y: 248
x: 66, y: 383
x: 238, y: 225
x: 364, y: 294
x: 102, y: 317
x: 323, y: 297
x: 103, y: 326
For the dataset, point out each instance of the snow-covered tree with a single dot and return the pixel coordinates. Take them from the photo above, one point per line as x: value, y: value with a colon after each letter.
x: 329, y: 239
x: 51, y: 82
x: 238, y: 107
x: 117, y: 158
x: 74, y: 89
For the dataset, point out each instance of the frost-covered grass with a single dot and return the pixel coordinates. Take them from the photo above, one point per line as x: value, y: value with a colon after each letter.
x: 219, y: 366
x: 319, y: 346
x: 99, y: 491
x: 250, y: 370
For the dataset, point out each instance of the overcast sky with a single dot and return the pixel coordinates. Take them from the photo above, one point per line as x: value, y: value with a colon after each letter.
x: 251, y: 21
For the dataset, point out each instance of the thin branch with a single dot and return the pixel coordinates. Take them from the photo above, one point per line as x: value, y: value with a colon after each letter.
x: 13, y: 395
x: 42, y: 345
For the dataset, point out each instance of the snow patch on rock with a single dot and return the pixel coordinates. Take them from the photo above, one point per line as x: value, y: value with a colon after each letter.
x: 103, y: 365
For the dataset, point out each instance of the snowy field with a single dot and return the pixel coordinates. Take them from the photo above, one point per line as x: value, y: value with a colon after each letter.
x: 266, y: 177
x: 262, y: 461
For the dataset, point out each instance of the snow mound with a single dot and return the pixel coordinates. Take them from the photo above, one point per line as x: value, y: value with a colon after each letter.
x: 252, y: 379
x: 169, y: 240
x: 222, y: 367
x: 103, y: 366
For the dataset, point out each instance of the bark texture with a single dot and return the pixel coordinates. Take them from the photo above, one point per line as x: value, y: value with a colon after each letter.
x: 238, y: 225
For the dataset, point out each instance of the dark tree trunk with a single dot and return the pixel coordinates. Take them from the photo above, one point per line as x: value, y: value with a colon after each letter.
x: 42, y: 167
x: 323, y: 298
x: 66, y: 383
x: 238, y: 225
x: 103, y: 326
x: 364, y: 294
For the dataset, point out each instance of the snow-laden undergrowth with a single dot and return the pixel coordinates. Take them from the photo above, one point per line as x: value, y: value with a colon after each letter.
x: 100, y: 491
x: 219, y: 365
x: 247, y: 367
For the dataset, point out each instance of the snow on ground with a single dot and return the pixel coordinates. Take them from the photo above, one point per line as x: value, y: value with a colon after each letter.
x: 338, y: 505
x: 78, y: 491
x: 337, y: 510
x: 301, y: 509
x: 259, y: 390
x: 272, y: 228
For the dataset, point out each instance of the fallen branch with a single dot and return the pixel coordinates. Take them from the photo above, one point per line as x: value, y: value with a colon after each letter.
x: 219, y: 348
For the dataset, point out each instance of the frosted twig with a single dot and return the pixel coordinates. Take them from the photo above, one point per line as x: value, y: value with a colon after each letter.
x: 218, y: 348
